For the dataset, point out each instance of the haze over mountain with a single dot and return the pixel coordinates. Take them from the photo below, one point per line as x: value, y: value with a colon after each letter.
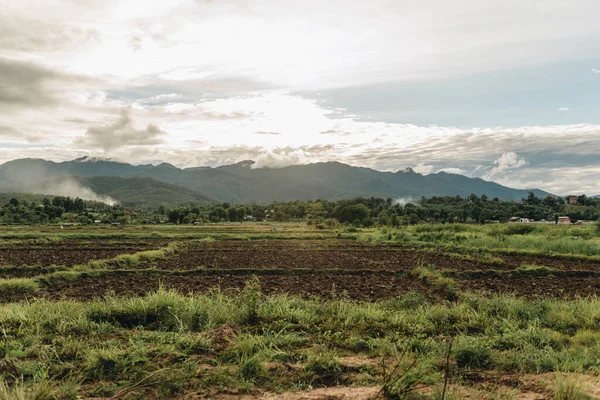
x: 237, y: 183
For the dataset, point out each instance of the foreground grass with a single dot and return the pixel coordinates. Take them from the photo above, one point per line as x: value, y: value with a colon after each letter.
x: 166, y: 343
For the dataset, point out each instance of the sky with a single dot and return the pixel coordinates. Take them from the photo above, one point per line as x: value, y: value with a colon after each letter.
x: 506, y: 91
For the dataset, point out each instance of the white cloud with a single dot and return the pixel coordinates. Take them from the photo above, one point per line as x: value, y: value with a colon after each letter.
x: 564, y: 109
x: 454, y: 170
x: 424, y: 169
x: 596, y: 70
x: 295, y: 44
x: 505, y: 162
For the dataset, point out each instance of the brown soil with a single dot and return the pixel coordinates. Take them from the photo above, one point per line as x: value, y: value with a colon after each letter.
x: 361, y: 272
x: 341, y: 254
x: 59, y: 255
x: 332, y: 393
x: 362, y: 287
x: 72, y: 252
x: 531, y: 286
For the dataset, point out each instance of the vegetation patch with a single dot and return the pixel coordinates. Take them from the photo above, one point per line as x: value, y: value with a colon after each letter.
x: 10, y: 288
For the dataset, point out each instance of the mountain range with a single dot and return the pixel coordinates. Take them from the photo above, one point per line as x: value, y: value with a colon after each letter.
x: 167, y: 185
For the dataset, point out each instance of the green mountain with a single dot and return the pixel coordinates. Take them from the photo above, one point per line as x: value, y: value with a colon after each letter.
x: 241, y: 183
x: 142, y: 191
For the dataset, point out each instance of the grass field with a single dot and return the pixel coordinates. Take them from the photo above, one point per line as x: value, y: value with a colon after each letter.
x: 235, y: 311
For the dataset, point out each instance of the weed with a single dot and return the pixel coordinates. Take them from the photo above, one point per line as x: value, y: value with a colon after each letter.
x: 472, y: 354
x: 569, y: 388
x: 323, y: 366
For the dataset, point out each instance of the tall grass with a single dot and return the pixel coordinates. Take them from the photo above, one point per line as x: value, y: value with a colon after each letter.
x: 111, y: 344
x: 573, y: 241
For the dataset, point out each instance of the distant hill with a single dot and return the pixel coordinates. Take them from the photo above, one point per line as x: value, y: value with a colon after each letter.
x: 142, y: 192
x: 129, y: 192
x: 241, y: 183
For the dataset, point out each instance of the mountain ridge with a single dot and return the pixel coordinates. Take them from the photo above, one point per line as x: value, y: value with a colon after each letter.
x: 242, y: 183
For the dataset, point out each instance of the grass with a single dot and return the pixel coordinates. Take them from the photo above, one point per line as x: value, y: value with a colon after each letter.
x: 569, y: 388
x: 569, y: 242
x: 535, y: 270
x: 18, y: 287
x: 123, y: 340
x: 441, y: 283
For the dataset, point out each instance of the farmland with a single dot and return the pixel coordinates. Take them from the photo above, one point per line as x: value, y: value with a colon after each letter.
x: 234, y: 310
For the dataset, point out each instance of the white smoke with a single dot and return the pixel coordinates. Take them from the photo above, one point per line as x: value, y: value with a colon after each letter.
x: 31, y: 176
x: 72, y: 188
x: 402, y: 201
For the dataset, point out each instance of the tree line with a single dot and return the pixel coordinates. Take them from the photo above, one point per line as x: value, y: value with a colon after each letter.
x: 378, y: 211
x: 360, y: 211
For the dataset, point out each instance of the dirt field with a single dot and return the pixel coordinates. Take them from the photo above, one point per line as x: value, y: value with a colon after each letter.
x: 324, y: 268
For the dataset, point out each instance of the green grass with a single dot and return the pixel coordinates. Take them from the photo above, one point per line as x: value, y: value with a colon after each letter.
x: 17, y: 287
x: 535, y: 270
x: 569, y: 242
x: 123, y: 340
x: 569, y: 388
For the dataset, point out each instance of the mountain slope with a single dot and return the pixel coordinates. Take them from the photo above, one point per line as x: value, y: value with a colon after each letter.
x: 240, y: 183
x: 142, y: 191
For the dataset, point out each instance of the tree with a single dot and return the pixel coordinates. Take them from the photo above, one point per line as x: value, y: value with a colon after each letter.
x: 352, y: 212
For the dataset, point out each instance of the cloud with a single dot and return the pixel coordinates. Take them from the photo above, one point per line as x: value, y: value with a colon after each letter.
x: 454, y: 170
x: 279, y: 159
x: 119, y: 134
x: 505, y: 162
x: 564, y: 109
x: 334, y: 132
x: 424, y: 169
x: 136, y: 43
x: 596, y: 70
x: 26, y: 84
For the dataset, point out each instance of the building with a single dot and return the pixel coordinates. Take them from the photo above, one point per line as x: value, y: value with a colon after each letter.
x: 564, y: 220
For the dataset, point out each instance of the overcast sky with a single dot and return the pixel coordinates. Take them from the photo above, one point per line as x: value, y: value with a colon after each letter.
x: 508, y: 91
